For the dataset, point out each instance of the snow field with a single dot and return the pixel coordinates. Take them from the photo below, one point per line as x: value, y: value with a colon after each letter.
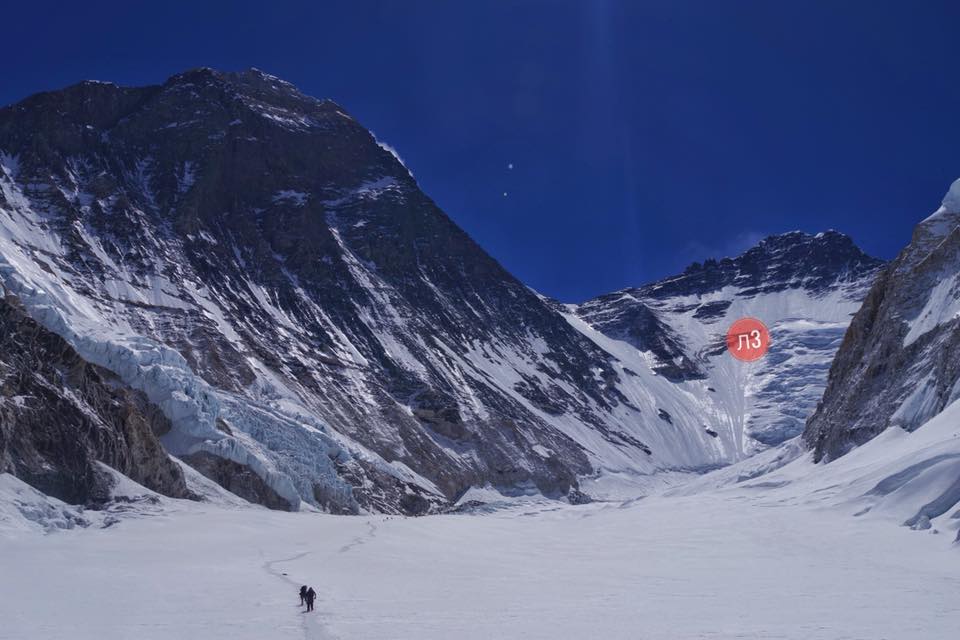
x: 780, y: 555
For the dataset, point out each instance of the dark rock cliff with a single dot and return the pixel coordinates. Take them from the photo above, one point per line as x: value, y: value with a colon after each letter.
x: 899, y: 364
x: 59, y: 415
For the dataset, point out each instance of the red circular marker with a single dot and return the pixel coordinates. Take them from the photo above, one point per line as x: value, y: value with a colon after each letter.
x: 748, y: 339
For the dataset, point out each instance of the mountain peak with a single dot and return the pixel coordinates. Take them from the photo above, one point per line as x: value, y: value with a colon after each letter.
x: 250, y: 82
x: 824, y: 244
x: 829, y: 238
x: 951, y: 201
x: 786, y: 260
x: 334, y: 297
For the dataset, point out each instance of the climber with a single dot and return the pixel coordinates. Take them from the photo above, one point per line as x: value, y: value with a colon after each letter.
x: 303, y: 595
x: 311, y: 596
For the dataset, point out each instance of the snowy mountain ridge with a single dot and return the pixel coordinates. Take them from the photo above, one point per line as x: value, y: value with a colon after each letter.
x: 274, y: 280
x: 804, y: 287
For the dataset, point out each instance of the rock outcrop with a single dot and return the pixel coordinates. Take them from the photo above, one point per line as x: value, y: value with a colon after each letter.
x: 60, y: 415
x: 899, y: 364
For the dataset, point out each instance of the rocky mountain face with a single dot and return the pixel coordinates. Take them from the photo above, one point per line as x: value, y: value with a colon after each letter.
x: 625, y: 317
x: 795, y: 260
x: 803, y: 287
x: 275, y: 281
x: 899, y: 364
x: 317, y: 331
x: 60, y: 415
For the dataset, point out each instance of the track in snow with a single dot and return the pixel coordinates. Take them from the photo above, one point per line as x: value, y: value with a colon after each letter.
x: 362, y: 539
x: 313, y: 628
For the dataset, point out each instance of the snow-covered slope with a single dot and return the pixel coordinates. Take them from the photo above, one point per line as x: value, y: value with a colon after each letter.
x: 908, y: 478
x: 899, y: 364
x: 669, y: 338
x: 795, y: 554
x: 25, y: 510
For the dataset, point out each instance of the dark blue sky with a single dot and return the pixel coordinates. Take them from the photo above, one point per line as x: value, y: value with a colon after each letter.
x: 643, y: 135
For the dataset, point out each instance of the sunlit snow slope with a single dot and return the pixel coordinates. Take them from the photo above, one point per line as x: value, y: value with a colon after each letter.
x: 669, y: 338
x: 801, y: 552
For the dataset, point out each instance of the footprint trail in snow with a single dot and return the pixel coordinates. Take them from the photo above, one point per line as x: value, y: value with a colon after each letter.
x: 313, y: 628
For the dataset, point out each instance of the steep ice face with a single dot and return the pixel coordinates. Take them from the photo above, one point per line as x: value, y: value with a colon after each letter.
x: 942, y: 306
x: 951, y: 202
x: 749, y: 406
x: 942, y: 221
x: 932, y: 253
